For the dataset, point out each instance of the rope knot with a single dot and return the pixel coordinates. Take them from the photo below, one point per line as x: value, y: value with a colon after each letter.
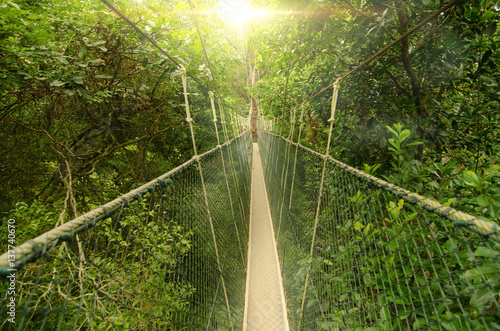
x: 105, y: 210
x: 189, y: 119
x: 37, y: 250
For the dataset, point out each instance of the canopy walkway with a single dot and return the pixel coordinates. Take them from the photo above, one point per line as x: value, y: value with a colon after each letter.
x: 355, y: 253
x: 258, y: 236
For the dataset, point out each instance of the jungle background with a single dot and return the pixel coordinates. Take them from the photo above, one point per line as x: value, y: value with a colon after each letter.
x: 89, y: 109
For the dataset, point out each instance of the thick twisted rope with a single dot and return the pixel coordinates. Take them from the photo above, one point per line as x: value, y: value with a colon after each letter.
x: 33, y: 249
x: 484, y: 228
x: 336, y: 87
x: 189, y: 119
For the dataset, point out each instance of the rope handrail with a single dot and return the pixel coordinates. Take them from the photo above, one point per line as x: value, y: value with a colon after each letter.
x: 377, y: 256
x: 476, y: 224
x: 202, y: 178
x: 34, y: 249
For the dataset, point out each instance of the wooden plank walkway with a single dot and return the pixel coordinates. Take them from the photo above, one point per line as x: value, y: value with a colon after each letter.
x: 265, y: 307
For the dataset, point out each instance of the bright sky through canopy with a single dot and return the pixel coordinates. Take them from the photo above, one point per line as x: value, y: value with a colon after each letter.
x: 239, y: 12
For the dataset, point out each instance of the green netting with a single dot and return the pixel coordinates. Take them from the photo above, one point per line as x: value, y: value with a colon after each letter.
x: 149, y: 263
x: 381, y: 258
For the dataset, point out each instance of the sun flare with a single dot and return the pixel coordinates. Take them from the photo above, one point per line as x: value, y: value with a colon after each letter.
x: 238, y: 12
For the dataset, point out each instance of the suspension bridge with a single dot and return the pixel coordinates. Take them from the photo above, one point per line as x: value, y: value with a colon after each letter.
x: 259, y: 233
x: 265, y: 235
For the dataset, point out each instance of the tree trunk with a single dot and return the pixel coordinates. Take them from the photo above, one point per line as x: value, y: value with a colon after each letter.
x: 251, y: 81
x: 416, y: 88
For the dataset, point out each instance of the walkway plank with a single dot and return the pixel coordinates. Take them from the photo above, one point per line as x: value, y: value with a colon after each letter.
x: 265, y: 307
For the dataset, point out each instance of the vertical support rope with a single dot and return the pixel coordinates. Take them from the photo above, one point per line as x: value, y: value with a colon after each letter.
x: 223, y: 122
x: 275, y: 165
x: 284, y: 173
x: 231, y: 161
x: 214, y: 114
x: 226, y: 135
x: 336, y: 86
x: 189, y: 119
x: 235, y: 133
x: 301, y: 121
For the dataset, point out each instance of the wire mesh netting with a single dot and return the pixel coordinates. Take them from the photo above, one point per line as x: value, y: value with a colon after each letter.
x: 155, y: 262
x: 380, y: 260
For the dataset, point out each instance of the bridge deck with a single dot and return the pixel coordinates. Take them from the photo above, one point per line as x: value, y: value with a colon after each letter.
x: 265, y: 307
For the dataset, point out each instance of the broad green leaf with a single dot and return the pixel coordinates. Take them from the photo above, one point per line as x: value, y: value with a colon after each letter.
x: 391, y: 130
x: 97, y: 43
x: 85, y: 94
x: 447, y: 325
x: 69, y: 92
x: 426, y: 2
x: 488, y: 14
x: 103, y: 76
x: 177, y: 53
x: 486, y: 270
x: 82, y: 52
x: 451, y: 245
x: 78, y: 79
x: 25, y: 74
x: 404, y: 134
x: 56, y: 83
x: 393, y: 244
x: 421, y: 322
x: 367, y: 229
x: 385, y: 314
x: 393, y: 142
x: 448, y: 202
x: 481, y: 298
x: 398, y: 127
x: 482, y: 200
x: 486, y: 252
x: 62, y: 60
x: 491, y: 28
x: 197, y: 46
x: 471, y: 178
x: 122, y: 6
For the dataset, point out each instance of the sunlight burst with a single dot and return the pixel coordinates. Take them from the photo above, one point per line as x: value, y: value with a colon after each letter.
x: 239, y: 12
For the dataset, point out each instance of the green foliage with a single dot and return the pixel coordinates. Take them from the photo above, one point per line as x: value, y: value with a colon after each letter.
x: 401, y: 148
x: 84, y: 96
x: 379, y: 262
x: 442, y: 85
x: 484, y: 195
x: 31, y: 220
